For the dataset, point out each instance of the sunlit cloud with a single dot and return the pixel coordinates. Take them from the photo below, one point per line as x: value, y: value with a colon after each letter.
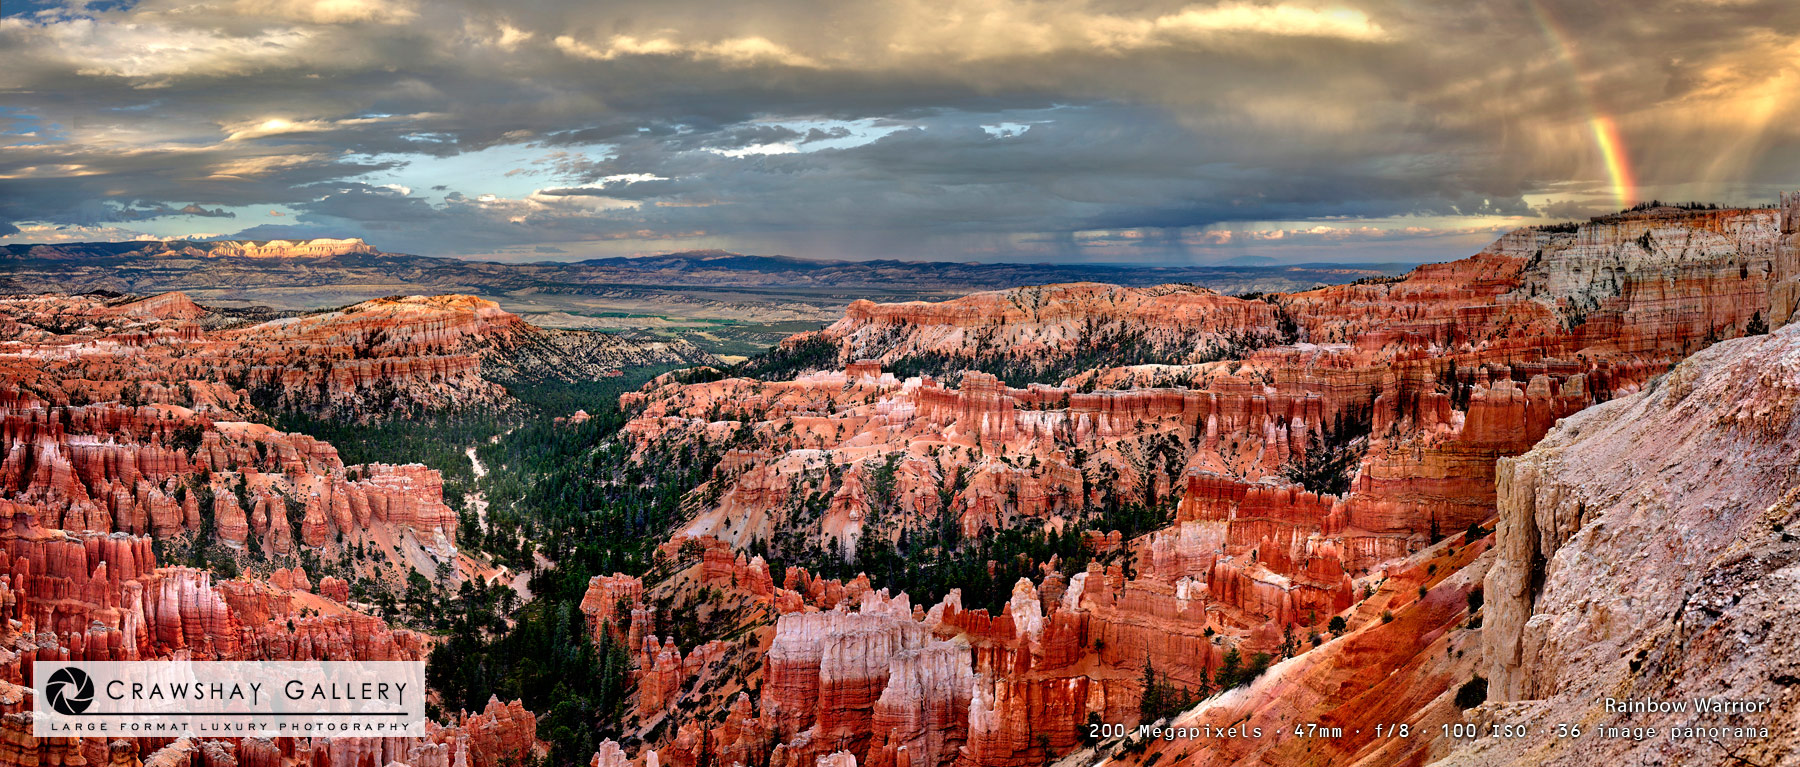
x: 735, y: 51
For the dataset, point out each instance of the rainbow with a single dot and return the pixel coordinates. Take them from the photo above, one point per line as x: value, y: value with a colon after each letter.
x: 1606, y: 130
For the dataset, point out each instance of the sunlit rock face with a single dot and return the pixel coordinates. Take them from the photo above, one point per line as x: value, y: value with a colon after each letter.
x: 1644, y: 552
x: 1040, y: 322
x: 1441, y: 375
x: 146, y: 416
x: 316, y: 248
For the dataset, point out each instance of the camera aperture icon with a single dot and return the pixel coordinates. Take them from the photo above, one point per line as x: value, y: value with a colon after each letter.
x: 70, y: 691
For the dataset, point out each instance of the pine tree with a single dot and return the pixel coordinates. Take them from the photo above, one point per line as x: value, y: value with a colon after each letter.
x: 1227, y: 676
x: 1327, y: 465
x: 1150, y: 707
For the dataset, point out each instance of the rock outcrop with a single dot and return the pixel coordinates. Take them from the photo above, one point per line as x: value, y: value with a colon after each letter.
x: 108, y: 468
x: 132, y: 423
x: 1644, y: 554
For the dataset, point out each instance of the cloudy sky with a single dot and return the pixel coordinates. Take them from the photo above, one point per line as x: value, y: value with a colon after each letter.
x: 1139, y: 131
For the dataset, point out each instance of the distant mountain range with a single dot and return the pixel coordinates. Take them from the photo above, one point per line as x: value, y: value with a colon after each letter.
x: 152, y: 267
x: 729, y: 304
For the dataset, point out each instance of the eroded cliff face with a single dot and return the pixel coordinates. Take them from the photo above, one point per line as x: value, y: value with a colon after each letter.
x: 79, y: 578
x: 1644, y: 553
x: 1444, y: 372
x: 421, y: 352
x: 1040, y: 324
x: 131, y: 424
x: 1406, y: 650
x: 1433, y: 379
x: 77, y: 595
x: 147, y: 470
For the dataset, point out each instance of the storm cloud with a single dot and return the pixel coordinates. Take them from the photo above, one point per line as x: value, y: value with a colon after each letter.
x: 966, y: 129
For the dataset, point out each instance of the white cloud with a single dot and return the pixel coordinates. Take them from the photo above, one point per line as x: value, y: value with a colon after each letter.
x: 757, y: 149
x: 56, y: 233
x: 630, y: 178
x: 575, y: 203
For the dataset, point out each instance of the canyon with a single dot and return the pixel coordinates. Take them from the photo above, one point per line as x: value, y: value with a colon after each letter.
x: 138, y: 429
x: 1431, y: 385
x: 1000, y: 529
x: 83, y: 579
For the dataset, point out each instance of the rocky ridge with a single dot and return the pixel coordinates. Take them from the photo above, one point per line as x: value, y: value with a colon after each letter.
x: 152, y: 266
x: 323, y: 247
x: 422, y: 352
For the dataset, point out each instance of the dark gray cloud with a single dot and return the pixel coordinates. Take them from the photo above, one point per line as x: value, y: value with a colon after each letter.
x: 143, y: 211
x: 195, y: 210
x: 953, y: 128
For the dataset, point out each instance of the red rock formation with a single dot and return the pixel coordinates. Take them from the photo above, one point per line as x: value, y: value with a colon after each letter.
x: 107, y: 468
x: 88, y: 596
x: 85, y: 487
x: 359, y: 361
x: 498, y: 734
x: 921, y: 718
x: 660, y: 675
x: 605, y: 594
x: 1043, y: 321
x: 1436, y: 376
